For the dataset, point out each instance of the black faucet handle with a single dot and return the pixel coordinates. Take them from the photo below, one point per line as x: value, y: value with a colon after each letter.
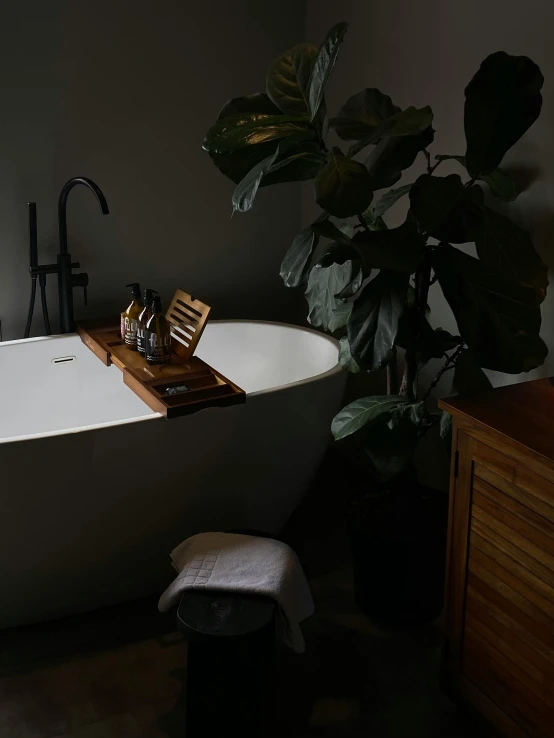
x: 81, y: 280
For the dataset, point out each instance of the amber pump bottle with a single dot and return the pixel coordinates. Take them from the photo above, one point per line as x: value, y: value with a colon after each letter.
x: 158, y: 336
x: 130, y: 317
x: 144, y: 317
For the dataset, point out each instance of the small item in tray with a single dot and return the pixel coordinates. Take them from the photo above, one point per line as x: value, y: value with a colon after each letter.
x: 177, y: 390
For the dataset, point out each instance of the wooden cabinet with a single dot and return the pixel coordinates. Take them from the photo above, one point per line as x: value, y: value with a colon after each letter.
x: 500, y: 569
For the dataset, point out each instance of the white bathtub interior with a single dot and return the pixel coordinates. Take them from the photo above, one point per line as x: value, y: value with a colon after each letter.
x: 39, y: 396
x: 261, y: 356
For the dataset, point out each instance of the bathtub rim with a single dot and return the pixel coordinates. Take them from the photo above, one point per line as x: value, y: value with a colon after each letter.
x: 151, y: 415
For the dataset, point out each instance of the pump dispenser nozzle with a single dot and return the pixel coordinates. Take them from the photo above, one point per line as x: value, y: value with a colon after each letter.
x: 135, y: 291
x: 149, y: 296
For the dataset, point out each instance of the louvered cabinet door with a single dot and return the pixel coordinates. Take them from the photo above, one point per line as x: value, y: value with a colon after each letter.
x: 504, y: 619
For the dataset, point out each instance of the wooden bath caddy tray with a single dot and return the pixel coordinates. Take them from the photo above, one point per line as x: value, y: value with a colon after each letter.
x: 185, y: 385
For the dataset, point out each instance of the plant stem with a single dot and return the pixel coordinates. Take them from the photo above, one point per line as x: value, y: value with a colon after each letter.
x: 450, y: 363
x: 428, y: 160
x: 392, y: 374
x: 430, y: 167
x: 422, y: 282
x: 362, y: 222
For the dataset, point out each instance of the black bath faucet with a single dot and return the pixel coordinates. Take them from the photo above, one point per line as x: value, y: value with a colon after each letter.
x: 64, y: 267
x: 66, y: 279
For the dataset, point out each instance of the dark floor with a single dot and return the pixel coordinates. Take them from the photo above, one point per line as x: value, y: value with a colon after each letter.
x: 118, y: 673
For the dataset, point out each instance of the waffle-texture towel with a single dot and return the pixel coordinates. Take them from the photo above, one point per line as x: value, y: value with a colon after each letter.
x: 233, y: 562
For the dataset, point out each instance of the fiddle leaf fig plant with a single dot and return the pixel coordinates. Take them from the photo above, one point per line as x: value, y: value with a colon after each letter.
x: 368, y: 283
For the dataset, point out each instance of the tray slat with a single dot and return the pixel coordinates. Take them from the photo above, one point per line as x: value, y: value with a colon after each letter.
x: 188, y: 318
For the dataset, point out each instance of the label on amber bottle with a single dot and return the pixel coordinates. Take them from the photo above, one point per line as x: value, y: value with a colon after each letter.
x: 130, y: 331
x: 141, y: 339
x: 158, y: 350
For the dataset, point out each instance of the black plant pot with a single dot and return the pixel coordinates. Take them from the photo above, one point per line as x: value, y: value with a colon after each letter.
x: 399, y: 549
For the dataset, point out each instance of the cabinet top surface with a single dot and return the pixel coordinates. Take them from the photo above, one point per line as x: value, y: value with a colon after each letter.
x: 523, y: 412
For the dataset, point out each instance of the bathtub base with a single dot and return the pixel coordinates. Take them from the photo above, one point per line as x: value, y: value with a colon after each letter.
x: 85, y: 543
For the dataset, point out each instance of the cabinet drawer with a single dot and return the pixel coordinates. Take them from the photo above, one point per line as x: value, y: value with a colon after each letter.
x: 517, y: 482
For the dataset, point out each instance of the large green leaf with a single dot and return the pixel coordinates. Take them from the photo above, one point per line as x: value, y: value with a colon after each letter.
x: 434, y: 344
x: 237, y: 164
x: 445, y: 209
x: 257, y: 103
x: 504, y: 246
x: 252, y: 129
x: 362, y: 114
x: 445, y: 430
x: 327, y: 229
x: 364, y: 412
x: 356, y: 281
x: 288, y: 78
x: 325, y: 309
x: 502, y: 101
x: 239, y: 142
x: 411, y: 416
x: 323, y: 66
x: 373, y: 324
x: 337, y: 253
x: 501, y: 185
x: 409, y: 122
x: 297, y: 161
x: 391, y: 156
x: 343, y: 187
x: 340, y: 315
x: 399, y: 249
x: 296, y: 264
x: 245, y: 191
x: 388, y: 200
x: 345, y: 357
x: 469, y: 378
x: 497, y: 317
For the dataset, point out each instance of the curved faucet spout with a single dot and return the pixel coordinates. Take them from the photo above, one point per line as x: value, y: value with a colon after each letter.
x: 67, y: 280
x: 62, y: 205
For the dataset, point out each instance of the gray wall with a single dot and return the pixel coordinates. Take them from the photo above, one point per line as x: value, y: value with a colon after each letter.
x: 424, y: 53
x: 123, y: 91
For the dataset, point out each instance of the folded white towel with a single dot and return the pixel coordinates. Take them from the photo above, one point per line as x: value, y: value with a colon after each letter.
x: 234, y: 562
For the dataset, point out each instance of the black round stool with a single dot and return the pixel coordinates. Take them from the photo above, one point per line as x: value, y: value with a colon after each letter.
x: 230, y: 648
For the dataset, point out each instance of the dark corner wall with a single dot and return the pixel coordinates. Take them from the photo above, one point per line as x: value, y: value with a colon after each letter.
x: 424, y: 53
x: 123, y: 91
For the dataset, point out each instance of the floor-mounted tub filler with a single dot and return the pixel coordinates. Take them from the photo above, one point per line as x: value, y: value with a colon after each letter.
x: 98, y: 489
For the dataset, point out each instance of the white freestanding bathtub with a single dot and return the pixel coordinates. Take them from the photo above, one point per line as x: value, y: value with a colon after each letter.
x: 97, y: 489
